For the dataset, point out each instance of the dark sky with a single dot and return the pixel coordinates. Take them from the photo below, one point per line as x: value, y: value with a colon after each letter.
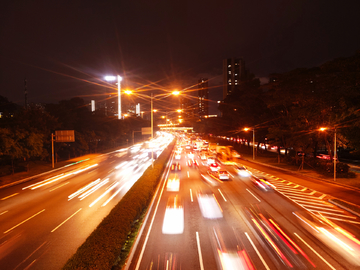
x: 64, y: 48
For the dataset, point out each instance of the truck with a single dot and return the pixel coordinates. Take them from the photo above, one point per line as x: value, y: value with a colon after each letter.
x: 225, y: 154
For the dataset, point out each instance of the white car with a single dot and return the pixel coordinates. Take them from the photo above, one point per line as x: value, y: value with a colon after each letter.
x: 209, y: 206
x: 177, y: 156
x: 174, y: 217
x: 242, y: 171
x: 210, y: 160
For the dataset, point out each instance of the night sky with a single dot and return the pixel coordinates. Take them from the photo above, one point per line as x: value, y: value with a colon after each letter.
x: 64, y: 48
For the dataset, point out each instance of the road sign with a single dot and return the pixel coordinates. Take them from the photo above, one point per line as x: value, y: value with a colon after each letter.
x: 146, y: 131
x: 64, y: 136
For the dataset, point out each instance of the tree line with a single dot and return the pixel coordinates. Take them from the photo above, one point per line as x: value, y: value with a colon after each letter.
x: 289, y: 110
x: 25, y: 132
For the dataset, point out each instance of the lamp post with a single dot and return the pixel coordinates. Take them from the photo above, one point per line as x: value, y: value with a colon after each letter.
x: 152, y: 112
x: 119, y: 79
x: 253, y: 144
x: 335, y: 152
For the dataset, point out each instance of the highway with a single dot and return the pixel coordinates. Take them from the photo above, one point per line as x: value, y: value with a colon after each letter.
x: 45, y: 220
x: 256, y: 229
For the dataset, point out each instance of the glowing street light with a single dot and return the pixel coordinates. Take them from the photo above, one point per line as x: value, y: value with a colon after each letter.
x: 119, y: 79
x: 335, y: 154
x: 253, y: 144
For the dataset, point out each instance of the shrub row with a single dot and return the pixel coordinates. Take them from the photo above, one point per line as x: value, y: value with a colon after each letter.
x: 102, y: 248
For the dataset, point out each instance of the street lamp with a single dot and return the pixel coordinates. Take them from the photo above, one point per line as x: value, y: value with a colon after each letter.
x: 253, y: 129
x: 335, y: 152
x: 119, y: 79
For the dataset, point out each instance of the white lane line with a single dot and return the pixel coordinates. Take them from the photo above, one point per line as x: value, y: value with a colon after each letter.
x: 300, y: 193
x: 306, y: 199
x: 312, y: 193
x: 340, y: 219
x: 296, y: 186
x: 199, y: 250
x: 328, y: 213
x: 315, y: 252
x: 253, y: 195
x: 3, y: 212
x: 150, y: 227
x: 304, y: 189
x: 191, y: 196
x: 59, y: 186
x: 28, y: 267
x: 24, y: 221
x: 257, y: 252
x: 66, y: 220
x: 288, y: 184
x: 188, y: 174
x: 222, y: 195
x: 324, y: 208
x: 322, y: 196
x: 9, y: 196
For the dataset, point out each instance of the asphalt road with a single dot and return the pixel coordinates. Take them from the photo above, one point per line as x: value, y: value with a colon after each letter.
x: 45, y: 220
x: 271, y: 228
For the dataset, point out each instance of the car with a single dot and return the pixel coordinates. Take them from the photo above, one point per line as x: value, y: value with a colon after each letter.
x: 223, y: 175
x: 174, y: 216
x: 210, y: 160
x: 176, y: 166
x: 209, y: 206
x: 262, y: 183
x: 190, y: 162
x: 214, y: 167
x: 241, y: 170
x: 173, y: 182
x: 177, y: 156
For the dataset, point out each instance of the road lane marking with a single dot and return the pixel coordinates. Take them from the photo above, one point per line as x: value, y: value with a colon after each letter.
x: 24, y: 221
x: 150, y: 226
x: 30, y: 256
x: 222, y: 195
x: 199, y: 251
x: 253, y: 195
x: 315, y: 252
x: 188, y: 174
x: 322, y: 196
x: 59, y: 186
x: 9, y: 196
x: 66, y: 220
x: 328, y: 213
x: 257, y: 252
x: 191, y: 196
x: 304, y: 189
x: 4, y: 212
x: 312, y: 193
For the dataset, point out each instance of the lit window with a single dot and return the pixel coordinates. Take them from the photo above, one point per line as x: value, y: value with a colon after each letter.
x: 229, y: 80
x: 235, y: 80
x: 229, y: 72
x: 229, y: 83
x: 235, y: 74
x: 229, y: 65
x: 236, y: 83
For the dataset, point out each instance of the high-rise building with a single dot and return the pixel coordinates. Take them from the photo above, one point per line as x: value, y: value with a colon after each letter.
x: 233, y: 72
x: 203, y: 97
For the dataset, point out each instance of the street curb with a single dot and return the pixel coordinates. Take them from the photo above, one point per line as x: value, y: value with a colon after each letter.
x: 344, y: 207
